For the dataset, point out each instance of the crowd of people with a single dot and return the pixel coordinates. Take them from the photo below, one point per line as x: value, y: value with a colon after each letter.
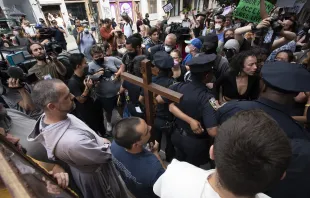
x: 240, y: 129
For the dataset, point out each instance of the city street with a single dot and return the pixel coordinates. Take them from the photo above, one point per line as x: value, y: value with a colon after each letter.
x: 71, y: 44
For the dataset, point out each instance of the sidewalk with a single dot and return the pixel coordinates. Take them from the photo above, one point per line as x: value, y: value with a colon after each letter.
x: 71, y: 44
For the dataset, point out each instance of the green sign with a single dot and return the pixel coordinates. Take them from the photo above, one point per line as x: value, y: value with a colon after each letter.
x: 249, y: 10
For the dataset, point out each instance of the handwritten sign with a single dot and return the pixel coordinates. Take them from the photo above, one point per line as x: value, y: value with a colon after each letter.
x: 168, y: 7
x: 226, y: 10
x: 249, y: 10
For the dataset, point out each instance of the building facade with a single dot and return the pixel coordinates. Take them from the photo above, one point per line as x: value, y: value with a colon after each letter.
x: 35, y: 9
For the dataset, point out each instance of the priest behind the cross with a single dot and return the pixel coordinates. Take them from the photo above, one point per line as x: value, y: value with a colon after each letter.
x: 195, y: 113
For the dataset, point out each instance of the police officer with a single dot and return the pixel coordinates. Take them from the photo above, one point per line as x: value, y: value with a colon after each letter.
x: 195, y: 113
x: 281, y: 83
x: 163, y: 119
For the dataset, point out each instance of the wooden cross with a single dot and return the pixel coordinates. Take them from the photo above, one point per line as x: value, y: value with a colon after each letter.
x: 149, y: 88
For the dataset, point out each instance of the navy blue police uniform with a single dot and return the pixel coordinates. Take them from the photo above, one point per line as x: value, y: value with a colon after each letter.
x: 190, y: 147
x: 286, y: 78
x: 163, y: 119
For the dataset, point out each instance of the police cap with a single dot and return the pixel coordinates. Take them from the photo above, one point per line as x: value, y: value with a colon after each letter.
x: 286, y: 77
x: 163, y: 60
x: 202, y: 63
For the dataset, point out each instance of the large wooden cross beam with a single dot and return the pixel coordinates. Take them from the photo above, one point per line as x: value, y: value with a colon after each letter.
x: 149, y: 88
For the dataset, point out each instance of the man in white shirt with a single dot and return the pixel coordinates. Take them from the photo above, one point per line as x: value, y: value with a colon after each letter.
x: 29, y: 30
x: 251, y: 154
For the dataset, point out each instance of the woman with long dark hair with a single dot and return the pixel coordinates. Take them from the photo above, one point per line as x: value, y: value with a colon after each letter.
x: 242, y: 82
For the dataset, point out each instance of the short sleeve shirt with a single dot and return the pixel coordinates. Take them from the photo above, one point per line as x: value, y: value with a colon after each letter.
x: 196, y: 104
x: 41, y: 71
x: 139, y: 180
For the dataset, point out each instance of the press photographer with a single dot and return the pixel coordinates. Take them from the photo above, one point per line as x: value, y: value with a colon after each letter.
x: 46, y: 68
x: 270, y: 34
x: 81, y: 86
x: 109, y: 85
x: 16, y: 92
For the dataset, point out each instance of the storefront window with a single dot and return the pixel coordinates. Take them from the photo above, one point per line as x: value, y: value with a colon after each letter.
x: 153, y: 6
x: 77, y: 10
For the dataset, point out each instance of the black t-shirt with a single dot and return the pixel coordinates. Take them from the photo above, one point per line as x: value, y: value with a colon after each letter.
x: 83, y: 111
x: 197, y: 31
x: 246, y: 45
x: 59, y: 36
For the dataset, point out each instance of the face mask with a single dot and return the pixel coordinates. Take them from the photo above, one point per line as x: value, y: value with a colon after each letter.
x: 228, y: 38
x: 218, y: 27
x: 100, y: 61
x: 187, y: 50
x: 237, y: 25
x: 132, y: 54
x: 86, y: 31
x: 309, y: 31
x: 168, y: 49
x: 15, y: 33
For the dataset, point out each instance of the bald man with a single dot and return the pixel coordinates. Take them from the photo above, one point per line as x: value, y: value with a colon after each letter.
x: 168, y: 46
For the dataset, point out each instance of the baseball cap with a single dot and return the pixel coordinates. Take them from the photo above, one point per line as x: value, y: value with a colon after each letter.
x: 232, y: 44
x: 195, y: 42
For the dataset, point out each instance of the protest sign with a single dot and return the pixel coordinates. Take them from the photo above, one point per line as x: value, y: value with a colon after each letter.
x: 226, y: 10
x: 168, y: 7
x: 249, y: 10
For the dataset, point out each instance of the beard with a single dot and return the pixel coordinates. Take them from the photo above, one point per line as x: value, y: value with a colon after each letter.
x: 41, y: 57
x: 69, y: 109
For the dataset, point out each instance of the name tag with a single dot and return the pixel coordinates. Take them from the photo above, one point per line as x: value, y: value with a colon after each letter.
x: 47, y: 77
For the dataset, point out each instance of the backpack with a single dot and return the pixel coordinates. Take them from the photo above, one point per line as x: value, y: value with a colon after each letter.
x: 94, y: 40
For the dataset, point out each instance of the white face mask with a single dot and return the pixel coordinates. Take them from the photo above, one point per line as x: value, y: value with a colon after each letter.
x: 309, y: 31
x: 217, y: 27
x: 187, y: 50
x: 15, y: 33
x: 168, y: 49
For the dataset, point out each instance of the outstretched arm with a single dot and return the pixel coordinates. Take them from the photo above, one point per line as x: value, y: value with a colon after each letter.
x: 263, y: 11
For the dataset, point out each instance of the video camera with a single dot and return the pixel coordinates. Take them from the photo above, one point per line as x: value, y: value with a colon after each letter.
x: 46, y: 33
x: 53, y: 47
x: 108, y: 75
x: 182, y: 33
x: 16, y: 70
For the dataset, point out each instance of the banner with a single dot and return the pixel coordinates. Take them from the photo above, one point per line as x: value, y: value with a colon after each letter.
x: 249, y: 10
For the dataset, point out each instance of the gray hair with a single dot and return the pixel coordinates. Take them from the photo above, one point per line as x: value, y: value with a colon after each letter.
x: 45, y: 92
x: 172, y: 36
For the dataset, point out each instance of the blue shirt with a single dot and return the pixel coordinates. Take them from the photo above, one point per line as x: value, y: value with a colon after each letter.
x: 220, y: 36
x: 139, y: 171
x: 187, y: 58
